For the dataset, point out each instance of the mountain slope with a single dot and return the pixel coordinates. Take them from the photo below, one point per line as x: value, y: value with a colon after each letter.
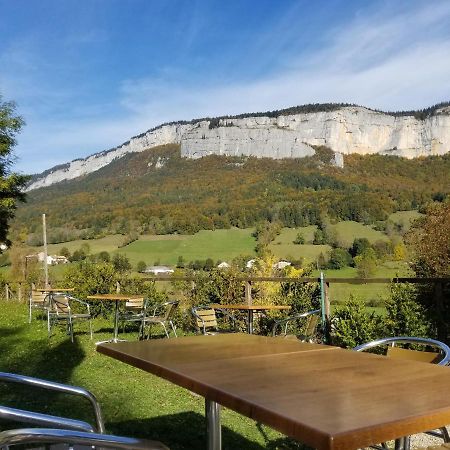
x: 157, y: 191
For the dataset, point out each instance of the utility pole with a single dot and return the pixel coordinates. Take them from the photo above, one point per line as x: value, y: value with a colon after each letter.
x: 44, y: 231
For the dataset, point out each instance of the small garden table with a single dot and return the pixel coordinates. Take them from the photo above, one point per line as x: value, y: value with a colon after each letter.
x: 250, y: 309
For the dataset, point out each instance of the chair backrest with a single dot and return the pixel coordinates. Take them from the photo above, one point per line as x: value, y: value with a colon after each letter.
x: 309, y: 320
x: 205, y: 318
x: 135, y: 304
x: 38, y: 297
x: 59, y: 304
x: 171, y: 307
x: 442, y: 357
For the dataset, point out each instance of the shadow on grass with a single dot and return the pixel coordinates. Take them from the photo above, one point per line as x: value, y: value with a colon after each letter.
x: 187, y: 431
x: 40, y: 358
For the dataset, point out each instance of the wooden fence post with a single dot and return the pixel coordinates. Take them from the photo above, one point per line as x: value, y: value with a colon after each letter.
x: 7, y: 291
x: 19, y: 291
x: 248, y: 292
x: 118, y: 287
x: 439, y: 305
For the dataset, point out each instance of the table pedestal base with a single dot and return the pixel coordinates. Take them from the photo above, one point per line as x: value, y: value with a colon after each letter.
x: 213, y: 428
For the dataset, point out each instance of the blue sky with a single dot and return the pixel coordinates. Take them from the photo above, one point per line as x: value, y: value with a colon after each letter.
x: 89, y: 74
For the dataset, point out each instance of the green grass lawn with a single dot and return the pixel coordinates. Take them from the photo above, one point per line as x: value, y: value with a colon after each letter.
x: 108, y: 244
x: 348, y: 231
x: 373, y: 293
x: 218, y: 244
x: 134, y: 402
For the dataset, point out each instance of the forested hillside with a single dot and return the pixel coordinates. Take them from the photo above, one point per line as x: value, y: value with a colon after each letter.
x: 159, y: 192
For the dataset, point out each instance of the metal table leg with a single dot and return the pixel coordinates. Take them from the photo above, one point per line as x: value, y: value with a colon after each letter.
x: 213, y: 428
x: 250, y: 322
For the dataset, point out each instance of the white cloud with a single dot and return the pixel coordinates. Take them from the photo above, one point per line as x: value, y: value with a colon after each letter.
x: 391, y: 60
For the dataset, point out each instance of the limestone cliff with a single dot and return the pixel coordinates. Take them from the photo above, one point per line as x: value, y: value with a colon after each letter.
x: 350, y: 129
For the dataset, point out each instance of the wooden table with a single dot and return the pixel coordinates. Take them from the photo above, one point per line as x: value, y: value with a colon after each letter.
x: 117, y: 298
x: 250, y: 309
x: 326, y: 397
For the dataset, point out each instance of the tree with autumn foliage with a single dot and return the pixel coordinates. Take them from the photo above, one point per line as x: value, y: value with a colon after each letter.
x: 429, y: 241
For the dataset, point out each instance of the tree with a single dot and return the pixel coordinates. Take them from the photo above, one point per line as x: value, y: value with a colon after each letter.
x: 11, y: 184
x: 121, y: 263
x: 366, y: 263
x: 359, y: 246
x: 141, y: 266
x: 429, y: 240
x: 339, y: 258
x: 300, y: 239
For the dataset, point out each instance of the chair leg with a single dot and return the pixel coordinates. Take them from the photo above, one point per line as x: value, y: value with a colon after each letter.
x: 90, y: 327
x: 29, y: 311
x: 173, y: 328
x: 165, y: 329
x: 70, y: 329
x: 49, y: 325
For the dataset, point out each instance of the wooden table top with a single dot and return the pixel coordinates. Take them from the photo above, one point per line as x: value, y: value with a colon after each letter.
x: 326, y: 397
x: 246, y: 307
x: 55, y: 290
x: 113, y: 297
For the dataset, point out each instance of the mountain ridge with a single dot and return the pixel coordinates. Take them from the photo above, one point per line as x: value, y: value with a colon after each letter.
x: 286, y: 133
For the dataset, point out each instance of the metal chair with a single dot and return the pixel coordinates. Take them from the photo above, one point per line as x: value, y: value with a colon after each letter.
x: 75, y: 440
x: 62, y: 429
x: 205, y: 319
x: 162, y: 315
x: 46, y: 420
x: 60, y: 310
x: 37, y: 300
x: 133, y: 313
x: 310, y: 321
x: 441, y: 358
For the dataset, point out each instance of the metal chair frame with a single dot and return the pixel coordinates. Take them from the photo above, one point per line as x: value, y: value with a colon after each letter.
x: 60, y: 310
x: 203, y: 325
x: 41, y: 436
x: 134, y: 312
x: 44, y: 419
x: 285, y: 322
x: 444, y: 351
x: 37, y: 300
x: 159, y: 318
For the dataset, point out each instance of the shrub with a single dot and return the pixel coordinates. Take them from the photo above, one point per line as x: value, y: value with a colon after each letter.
x: 405, y: 315
x: 352, y: 325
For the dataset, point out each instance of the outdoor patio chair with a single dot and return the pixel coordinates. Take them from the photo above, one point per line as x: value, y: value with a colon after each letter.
x: 67, y: 309
x: 161, y: 315
x: 60, y: 429
x: 308, y: 320
x: 37, y: 300
x: 77, y: 440
x: 133, y: 313
x: 205, y: 319
x: 441, y: 358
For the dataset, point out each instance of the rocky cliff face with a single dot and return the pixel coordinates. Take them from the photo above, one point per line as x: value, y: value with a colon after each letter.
x: 345, y: 130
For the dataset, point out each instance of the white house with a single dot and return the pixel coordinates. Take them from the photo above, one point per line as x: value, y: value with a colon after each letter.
x: 52, y: 260
x: 159, y: 270
x: 281, y: 264
x: 223, y: 265
x: 250, y: 263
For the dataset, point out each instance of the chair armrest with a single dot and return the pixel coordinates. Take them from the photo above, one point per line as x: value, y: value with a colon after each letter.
x: 51, y: 385
x: 48, y: 435
x: 227, y: 314
x: 81, y: 302
x: 194, y: 313
x: 43, y: 420
x: 286, y: 320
